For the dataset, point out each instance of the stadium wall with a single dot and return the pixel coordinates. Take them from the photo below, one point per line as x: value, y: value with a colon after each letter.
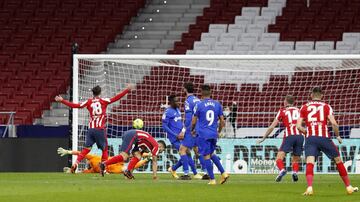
x: 32, y: 154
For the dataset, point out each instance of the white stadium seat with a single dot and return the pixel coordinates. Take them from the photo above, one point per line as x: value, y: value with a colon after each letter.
x: 269, y: 12
x: 237, y: 52
x: 340, y: 51
x: 279, y: 52
x: 284, y: 45
x: 236, y: 29
x: 228, y: 37
x: 209, y: 37
x: 351, y: 37
x: 250, y: 11
x: 318, y: 52
x: 249, y: 37
x: 242, y: 46
x: 263, y: 46
x: 270, y: 37
x: 263, y: 20
x: 223, y: 46
x: 283, y: 2
x: 254, y: 28
x: 343, y: 45
x: 218, y: 28
x: 198, y: 45
x: 244, y: 20
x: 304, y: 45
x: 324, y: 45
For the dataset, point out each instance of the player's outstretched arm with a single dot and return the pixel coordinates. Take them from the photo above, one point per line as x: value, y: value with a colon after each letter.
x: 222, y: 124
x: 58, y: 98
x: 335, y: 127
x: 117, y: 97
x: 299, y: 126
x: 268, y: 131
x: 62, y: 152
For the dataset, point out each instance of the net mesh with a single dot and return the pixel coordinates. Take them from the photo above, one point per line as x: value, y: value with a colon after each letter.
x: 251, y: 91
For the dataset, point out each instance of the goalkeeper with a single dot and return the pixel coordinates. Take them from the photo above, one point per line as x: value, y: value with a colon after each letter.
x: 93, y: 162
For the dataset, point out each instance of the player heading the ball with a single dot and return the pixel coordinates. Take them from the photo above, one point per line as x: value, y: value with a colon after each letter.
x: 97, y: 122
x: 293, y: 140
x: 316, y: 115
x: 136, y: 142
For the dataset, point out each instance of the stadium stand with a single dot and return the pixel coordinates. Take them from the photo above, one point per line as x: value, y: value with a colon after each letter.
x: 35, y: 51
x: 157, y: 26
x: 274, y: 27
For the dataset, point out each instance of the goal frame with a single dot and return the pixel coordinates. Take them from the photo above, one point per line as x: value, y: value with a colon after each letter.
x: 76, y: 57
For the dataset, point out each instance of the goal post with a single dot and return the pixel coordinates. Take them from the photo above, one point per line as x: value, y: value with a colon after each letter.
x: 253, y: 85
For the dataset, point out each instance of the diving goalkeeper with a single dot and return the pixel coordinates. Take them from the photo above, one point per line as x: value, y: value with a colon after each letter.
x: 93, y: 162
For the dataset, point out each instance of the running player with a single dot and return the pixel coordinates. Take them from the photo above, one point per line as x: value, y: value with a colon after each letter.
x: 293, y: 140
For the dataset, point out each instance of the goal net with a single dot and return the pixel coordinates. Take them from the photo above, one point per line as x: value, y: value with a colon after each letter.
x: 250, y: 88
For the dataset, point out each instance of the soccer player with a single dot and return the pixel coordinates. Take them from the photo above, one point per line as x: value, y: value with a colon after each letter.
x: 95, y: 160
x: 190, y: 141
x: 293, y: 140
x: 208, y: 112
x: 97, y: 123
x: 174, y: 127
x: 136, y: 142
x: 316, y: 115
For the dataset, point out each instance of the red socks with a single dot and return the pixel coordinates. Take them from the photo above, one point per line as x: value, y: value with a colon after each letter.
x: 309, y: 174
x: 295, y: 167
x: 104, y: 155
x: 343, y: 173
x: 280, y: 164
x: 115, y: 159
x: 132, y: 163
x: 82, y: 155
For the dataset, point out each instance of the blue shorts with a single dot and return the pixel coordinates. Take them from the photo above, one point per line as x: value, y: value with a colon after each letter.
x: 294, y: 144
x: 188, y: 141
x: 314, y: 145
x: 129, y: 142
x: 206, y: 146
x: 176, y: 145
x: 97, y: 136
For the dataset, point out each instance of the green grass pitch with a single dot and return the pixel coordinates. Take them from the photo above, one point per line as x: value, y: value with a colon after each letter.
x: 53, y: 187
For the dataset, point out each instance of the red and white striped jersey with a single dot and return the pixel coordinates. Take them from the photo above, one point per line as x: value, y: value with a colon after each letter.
x: 97, y: 108
x: 147, y: 143
x: 289, y: 117
x: 315, y: 115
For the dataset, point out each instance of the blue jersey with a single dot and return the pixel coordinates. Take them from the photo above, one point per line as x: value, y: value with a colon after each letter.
x: 208, y: 112
x: 172, y: 123
x: 190, y: 104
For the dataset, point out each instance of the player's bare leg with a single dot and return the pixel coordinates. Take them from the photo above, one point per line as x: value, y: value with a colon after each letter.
x: 280, y: 164
x: 133, y: 161
x: 295, y: 167
x: 310, y: 160
x: 344, y: 176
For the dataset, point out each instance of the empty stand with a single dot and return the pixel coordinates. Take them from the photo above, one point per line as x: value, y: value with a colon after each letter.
x: 35, y: 46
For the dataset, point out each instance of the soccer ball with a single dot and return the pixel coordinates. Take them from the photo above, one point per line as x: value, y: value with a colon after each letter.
x: 138, y: 124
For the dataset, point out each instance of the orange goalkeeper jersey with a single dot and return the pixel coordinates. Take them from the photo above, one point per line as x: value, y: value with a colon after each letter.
x: 94, y: 162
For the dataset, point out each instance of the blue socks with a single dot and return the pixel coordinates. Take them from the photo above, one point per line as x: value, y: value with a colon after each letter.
x: 177, y: 165
x: 192, y: 164
x: 185, y: 162
x: 202, y: 163
x: 209, y: 168
x: 216, y: 161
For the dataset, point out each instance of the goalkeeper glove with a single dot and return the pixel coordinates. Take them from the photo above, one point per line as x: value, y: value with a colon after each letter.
x: 62, y: 152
